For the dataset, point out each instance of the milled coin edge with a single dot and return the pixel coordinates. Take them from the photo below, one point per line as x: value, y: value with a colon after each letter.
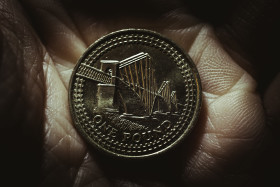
x: 186, y: 132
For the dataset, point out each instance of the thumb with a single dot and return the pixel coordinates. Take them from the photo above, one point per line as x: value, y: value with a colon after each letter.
x: 21, y: 97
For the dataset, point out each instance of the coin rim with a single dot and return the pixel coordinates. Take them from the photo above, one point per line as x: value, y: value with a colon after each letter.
x: 186, y: 132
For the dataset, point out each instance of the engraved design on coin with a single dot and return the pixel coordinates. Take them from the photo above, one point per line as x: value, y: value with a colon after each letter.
x: 134, y: 93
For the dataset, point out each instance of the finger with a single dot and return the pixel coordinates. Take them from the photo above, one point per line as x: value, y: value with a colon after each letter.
x: 255, y: 29
x: 59, y: 34
x: 233, y: 115
x: 93, y: 22
x: 86, y: 26
x: 57, y: 31
x: 253, y: 32
x: 67, y: 28
x: 229, y: 142
x: 218, y: 71
x: 68, y: 162
x: 21, y: 97
x: 89, y: 174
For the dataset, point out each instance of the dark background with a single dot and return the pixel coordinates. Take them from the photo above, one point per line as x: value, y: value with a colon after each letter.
x: 249, y: 27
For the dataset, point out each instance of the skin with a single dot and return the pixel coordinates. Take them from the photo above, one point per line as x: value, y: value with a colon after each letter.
x: 41, y: 42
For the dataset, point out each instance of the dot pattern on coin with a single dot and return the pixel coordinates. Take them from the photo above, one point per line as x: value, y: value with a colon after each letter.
x: 134, y: 94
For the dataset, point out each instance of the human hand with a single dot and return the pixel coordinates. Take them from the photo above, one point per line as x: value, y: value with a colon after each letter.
x: 41, y: 42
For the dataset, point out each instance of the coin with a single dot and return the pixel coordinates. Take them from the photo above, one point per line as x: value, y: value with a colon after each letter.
x: 134, y: 93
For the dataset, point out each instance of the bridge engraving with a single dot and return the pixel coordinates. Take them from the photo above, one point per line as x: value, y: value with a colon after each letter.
x: 129, y: 87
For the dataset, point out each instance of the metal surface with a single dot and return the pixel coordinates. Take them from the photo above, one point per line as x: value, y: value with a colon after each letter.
x: 134, y: 94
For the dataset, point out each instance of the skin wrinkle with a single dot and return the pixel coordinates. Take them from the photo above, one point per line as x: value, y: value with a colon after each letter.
x: 64, y: 35
x: 57, y: 144
x: 211, y: 161
x: 62, y: 161
x: 99, y: 31
x: 77, y: 28
x: 209, y: 97
x: 78, y: 175
x: 66, y: 144
x: 66, y: 139
x: 64, y: 72
x: 210, y: 127
x: 83, y: 169
x: 62, y: 127
x: 246, y: 82
x: 48, y: 130
x: 52, y: 174
x: 21, y: 125
x: 245, y: 108
x: 91, y: 182
x: 29, y: 70
x: 221, y: 84
x: 235, y: 50
x: 200, y: 162
x: 207, y: 147
x: 198, y: 58
x: 91, y: 26
x: 193, y: 52
x: 180, y: 19
x: 34, y: 80
x: 208, y: 34
x: 10, y: 38
x: 52, y: 136
x: 213, y: 146
x: 9, y: 24
x: 54, y: 8
x: 234, y: 86
x: 179, y: 38
x: 208, y: 174
x: 9, y: 78
x: 48, y: 80
x: 221, y: 136
x: 67, y: 19
x: 211, y: 138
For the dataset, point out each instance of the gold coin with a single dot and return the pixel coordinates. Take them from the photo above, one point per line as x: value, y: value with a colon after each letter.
x: 134, y: 93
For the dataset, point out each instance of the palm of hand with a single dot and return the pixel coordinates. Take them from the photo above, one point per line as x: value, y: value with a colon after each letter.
x: 231, y: 122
